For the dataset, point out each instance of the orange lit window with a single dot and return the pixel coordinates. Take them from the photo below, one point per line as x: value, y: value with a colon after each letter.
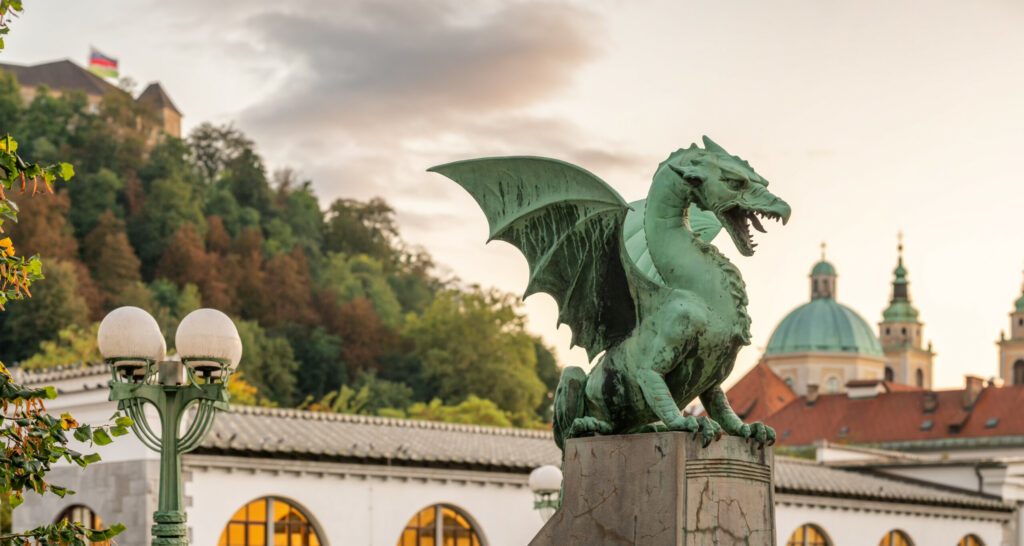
x: 249, y: 526
x: 455, y: 529
x: 896, y: 538
x: 970, y: 540
x: 808, y: 534
x: 85, y: 516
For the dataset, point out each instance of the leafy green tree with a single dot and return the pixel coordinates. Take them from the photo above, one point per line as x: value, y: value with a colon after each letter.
x: 55, y: 305
x: 475, y: 343
x: 318, y: 352
x: 549, y: 373
x: 95, y: 195
x: 473, y: 410
x: 170, y: 204
x: 74, y: 345
x: 355, y: 227
x: 350, y: 277
x: 270, y: 363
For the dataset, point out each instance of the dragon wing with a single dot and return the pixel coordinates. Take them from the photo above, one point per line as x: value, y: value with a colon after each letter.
x: 568, y: 224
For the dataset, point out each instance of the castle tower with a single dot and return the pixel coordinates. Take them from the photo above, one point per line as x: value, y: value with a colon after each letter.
x: 907, y: 360
x: 1011, y: 350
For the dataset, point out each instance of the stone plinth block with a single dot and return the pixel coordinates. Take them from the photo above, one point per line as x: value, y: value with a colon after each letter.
x: 664, y: 489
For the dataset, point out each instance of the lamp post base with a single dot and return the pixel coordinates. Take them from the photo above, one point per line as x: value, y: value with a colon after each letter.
x: 170, y: 528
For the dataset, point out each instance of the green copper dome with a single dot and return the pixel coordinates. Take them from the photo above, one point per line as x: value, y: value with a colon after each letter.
x: 824, y: 325
x: 823, y: 268
x: 1019, y: 304
x: 900, y: 309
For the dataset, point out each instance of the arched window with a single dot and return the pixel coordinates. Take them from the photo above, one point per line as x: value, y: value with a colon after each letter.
x: 832, y: 385
x: 919, y: 377
x: 790, y: 381
x: 455, y: 528
x: 890, y: 375
x: 896, y: 538
x: 808, y: 534
x: 1018, y: 372
x: 270, y: 521
x: 84, y: 515
x: 970, y: 540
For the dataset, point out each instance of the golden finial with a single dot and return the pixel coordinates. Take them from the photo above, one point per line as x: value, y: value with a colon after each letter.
x: 823, y: 251
x: 899, y: 242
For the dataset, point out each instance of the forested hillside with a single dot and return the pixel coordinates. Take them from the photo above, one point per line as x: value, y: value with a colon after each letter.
x: 336, y: 312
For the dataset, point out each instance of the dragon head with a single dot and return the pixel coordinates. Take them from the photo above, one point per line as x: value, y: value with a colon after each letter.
x: 728, y: 187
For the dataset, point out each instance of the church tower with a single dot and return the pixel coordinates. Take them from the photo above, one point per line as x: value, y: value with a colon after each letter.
x: 907, y: 360
x: 1011, y: 350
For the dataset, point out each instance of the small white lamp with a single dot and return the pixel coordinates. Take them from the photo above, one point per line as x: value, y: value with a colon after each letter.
x: 546, y: 484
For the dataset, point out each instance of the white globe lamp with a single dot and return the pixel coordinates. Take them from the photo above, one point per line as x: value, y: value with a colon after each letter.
x: 208, y: 342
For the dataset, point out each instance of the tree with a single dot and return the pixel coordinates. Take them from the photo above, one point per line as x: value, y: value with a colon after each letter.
x: 31, y: 439
x: 170, y: 204
x: 95, y: 196
x: 318, y: 352
x: 348, y: 278
x: 364, y: 338
x: 43, y: 228
x: 473, y: 410
x: 111, y: 259
x: 354, y: 227
x: 475, y: 343
x: 55, y: 305
x: 74, y: 345
x: 270, y: 364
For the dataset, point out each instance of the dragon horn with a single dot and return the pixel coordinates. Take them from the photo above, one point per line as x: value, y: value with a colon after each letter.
x: 710, y: 146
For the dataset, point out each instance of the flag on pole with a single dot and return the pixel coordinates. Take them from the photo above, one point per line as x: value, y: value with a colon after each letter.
x: 102, y: 65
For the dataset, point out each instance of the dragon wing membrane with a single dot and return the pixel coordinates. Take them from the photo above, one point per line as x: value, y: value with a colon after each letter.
x: 568, y: 224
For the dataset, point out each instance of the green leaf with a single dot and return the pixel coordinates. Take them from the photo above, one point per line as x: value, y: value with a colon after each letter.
x: 101, y: 437
x: 66, y: 171
x: 124, y: 421
x: 91, y: 458
x: 83, y: 433
x: 118, y: 431
x: 50, y: 393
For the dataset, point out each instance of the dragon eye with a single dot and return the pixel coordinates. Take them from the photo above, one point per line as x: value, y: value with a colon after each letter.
x: 736, y: 184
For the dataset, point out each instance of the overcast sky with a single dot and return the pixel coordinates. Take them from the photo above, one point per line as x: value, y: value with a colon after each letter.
x: 868, y: 117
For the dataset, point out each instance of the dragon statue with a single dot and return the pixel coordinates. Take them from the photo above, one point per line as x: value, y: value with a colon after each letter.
x: 638, y: 281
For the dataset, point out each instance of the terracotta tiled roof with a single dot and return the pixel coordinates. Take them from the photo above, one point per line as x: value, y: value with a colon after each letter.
x: 759, y: 394
x: 901, y: 416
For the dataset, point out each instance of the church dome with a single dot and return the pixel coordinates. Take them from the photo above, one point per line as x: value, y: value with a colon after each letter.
x: 823, y: 268
x: 824, y: 325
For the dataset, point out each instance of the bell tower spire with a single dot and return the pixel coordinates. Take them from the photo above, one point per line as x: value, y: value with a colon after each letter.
x: 823, y: 278
x: 1011, y: 350
x: 908, y: 361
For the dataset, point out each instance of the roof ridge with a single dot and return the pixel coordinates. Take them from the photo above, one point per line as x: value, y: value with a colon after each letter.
x: 389, y: 421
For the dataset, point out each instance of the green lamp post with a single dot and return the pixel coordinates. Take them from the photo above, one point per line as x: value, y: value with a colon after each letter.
x: 208, y: 349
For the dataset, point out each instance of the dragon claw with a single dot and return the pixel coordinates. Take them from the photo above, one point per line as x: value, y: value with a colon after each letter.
x: 759, y: 432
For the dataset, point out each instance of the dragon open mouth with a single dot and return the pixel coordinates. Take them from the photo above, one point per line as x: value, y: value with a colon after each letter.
x: 737, y: 221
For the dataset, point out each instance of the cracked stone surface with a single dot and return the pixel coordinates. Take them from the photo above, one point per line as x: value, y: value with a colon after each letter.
x: 664, y: 489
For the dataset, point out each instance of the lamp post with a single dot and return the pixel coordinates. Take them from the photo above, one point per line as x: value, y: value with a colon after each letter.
x: 208, y: 352
x: 546, y: 484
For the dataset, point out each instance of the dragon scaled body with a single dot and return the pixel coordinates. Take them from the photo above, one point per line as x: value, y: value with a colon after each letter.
x: 638, y: 282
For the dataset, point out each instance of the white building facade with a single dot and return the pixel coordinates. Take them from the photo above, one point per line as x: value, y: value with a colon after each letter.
x: 270, y: 476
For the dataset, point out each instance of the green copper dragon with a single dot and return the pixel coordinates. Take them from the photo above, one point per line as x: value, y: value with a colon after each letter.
x: 638, y: 281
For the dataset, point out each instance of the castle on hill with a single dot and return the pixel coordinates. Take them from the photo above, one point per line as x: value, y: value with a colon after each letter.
x: 64, y: 77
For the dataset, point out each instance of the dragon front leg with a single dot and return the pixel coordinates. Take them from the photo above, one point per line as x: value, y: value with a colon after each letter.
x: 718, y: 408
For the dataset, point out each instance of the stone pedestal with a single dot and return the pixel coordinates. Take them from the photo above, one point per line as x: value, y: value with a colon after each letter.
x: 664, y: 489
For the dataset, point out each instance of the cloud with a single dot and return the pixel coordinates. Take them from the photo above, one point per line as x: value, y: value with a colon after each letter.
x: 415, y: 66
